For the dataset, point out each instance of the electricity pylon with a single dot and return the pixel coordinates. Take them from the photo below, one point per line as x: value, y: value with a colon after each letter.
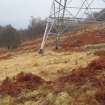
x: 67, y: 12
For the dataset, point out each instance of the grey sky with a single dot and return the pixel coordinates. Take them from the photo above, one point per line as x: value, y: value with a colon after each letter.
x: 18, y: 12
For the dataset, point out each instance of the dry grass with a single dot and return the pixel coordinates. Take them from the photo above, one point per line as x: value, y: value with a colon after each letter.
x: 47, y: 66
x: 40, y: 97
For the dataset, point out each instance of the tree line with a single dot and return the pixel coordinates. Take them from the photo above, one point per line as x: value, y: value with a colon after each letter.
x: 11, y: 38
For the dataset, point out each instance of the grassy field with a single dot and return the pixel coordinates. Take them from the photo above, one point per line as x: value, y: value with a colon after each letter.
x: 49, y: 66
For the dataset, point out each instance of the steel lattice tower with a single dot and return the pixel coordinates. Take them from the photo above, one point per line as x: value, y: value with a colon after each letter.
x: 68, y: 12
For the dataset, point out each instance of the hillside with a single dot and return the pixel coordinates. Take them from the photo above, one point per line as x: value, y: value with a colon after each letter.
x: 72, y: 75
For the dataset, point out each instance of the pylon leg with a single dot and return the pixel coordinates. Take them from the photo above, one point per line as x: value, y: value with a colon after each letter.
x: 46, y: 33
x: 44, y: 38
x: 57, y: 41
x: 41, y: 51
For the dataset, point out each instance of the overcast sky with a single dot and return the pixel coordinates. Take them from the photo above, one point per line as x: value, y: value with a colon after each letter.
x: 19, y: 12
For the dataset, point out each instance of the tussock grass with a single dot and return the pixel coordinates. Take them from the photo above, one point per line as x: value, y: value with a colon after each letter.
x: 47, y: 66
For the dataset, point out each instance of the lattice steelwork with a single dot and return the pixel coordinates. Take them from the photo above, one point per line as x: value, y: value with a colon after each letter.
x: 66, y: 12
